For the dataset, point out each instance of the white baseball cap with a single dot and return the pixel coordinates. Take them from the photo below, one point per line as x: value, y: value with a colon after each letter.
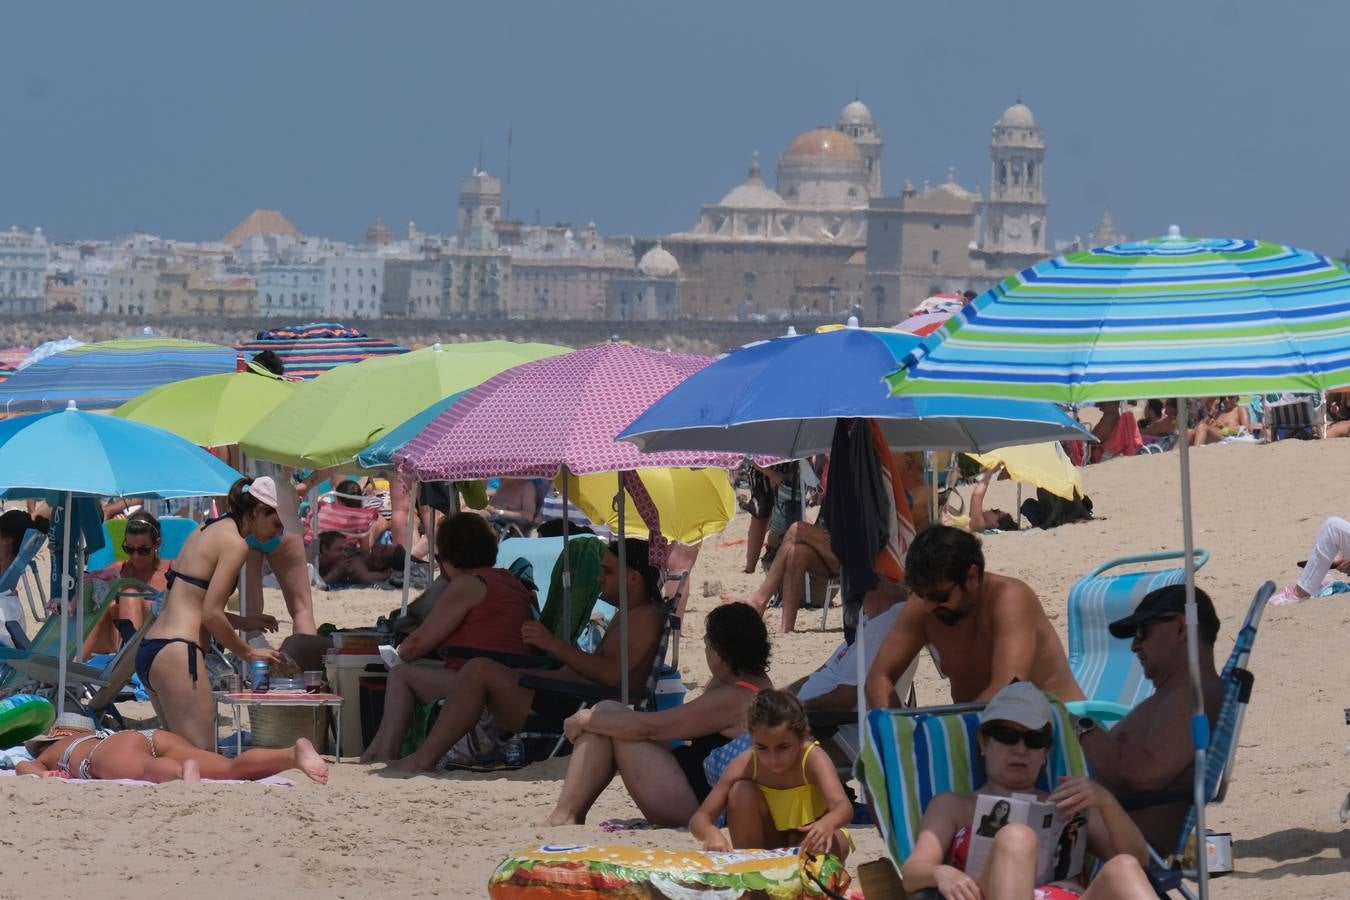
x: 1021, y: 703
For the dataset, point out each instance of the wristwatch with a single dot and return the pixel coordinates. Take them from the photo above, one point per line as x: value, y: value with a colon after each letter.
x: 1083, y: 726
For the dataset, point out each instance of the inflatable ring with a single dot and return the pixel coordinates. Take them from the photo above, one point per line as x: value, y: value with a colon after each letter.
x: 24, y: 716
x: 574, y: 872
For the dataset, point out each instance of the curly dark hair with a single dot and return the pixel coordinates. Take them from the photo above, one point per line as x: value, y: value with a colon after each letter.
x: 772, y: 708
x: 942, y: 553
x: 465, y: 541
x: 736, y: 633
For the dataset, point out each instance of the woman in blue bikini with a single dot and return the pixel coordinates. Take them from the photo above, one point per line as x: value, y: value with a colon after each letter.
x: 203, y: 578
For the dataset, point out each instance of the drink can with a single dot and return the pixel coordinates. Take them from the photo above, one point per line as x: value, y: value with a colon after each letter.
x: 260, y: 680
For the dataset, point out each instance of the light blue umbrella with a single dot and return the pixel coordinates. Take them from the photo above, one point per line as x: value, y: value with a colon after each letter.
x: 782, y: 397
x: 380, y: 455
x: 49, y: 348
x: 70, y: 454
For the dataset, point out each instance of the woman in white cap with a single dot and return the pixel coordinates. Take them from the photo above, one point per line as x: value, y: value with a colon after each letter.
x: 203, y: 578
x: 1014, y: 738
x: 71, y: 748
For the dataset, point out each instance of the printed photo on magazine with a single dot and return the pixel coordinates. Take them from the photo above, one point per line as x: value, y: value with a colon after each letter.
x: 1062, y: 841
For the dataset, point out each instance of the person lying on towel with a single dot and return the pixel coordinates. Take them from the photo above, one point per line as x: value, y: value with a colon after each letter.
x: 71, y: 748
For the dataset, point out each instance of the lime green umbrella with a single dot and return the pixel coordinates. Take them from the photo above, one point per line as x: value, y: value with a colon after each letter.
x: 327, y: 421
x: 210, y: 411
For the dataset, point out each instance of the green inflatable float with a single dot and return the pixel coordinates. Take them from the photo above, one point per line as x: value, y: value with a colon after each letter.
x: 24, y: 716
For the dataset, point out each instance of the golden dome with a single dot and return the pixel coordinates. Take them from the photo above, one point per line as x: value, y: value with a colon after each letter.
x: 823, y: 143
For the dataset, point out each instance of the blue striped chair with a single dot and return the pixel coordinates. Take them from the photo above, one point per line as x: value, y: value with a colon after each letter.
x: 910, y: 756
x: 1104, y: 666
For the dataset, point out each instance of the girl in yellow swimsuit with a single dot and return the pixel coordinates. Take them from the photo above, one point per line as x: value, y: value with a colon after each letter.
x: 782, y: 792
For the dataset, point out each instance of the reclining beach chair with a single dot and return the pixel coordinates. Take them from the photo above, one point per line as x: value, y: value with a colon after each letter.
x: 1104, y: 666
x: 1292, y: 415
x: 36, y: 666
x: 24, y: 560
x: 1222, y: 754
x: 910, y: 756
x: 173, y: 533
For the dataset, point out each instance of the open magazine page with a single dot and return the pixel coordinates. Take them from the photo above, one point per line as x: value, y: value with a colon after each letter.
x: 1061, y: 841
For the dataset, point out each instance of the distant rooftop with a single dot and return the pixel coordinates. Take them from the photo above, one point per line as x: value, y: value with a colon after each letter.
x: 262, y: 222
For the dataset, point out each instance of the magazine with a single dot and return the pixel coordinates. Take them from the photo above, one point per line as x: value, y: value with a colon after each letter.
x: 1062, y: 840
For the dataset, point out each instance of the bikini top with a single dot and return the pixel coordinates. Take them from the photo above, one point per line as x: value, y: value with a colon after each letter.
x: 171, y: 576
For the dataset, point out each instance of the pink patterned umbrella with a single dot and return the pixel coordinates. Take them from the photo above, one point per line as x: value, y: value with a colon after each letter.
x: 530, y: 421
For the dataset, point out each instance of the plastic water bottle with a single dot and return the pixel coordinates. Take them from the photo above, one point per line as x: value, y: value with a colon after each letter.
x: 514, y: 752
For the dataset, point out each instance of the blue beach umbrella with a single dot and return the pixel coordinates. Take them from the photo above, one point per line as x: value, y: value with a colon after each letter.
x: 71, y: 454
x: 782, y: 397
x: 1167, y: 317
x: 107, y: 374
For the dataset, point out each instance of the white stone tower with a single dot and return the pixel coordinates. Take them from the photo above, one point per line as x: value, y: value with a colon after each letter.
x: 480, y: 202
x: 856, y: 122
x: 1015, y: 214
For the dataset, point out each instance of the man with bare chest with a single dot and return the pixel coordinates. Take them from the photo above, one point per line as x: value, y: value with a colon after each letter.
x: 1148, y: 754
x: 984, y: 629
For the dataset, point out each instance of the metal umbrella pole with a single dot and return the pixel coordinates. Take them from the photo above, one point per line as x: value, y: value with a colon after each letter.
x: 1199, y: 722
x: 407, y: 551
x: 623, y: 598
x: 65, y: 604
x: 567, y: 557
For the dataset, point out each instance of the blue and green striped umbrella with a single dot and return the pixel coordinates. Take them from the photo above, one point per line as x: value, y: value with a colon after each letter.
x: 1168, y: 317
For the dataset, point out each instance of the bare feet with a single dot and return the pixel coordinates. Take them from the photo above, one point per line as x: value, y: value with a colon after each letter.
x: 308, y: 760
x: 561, y: 818
x: 407, y: 766
x: 192, y: 773
x: 373, y: 754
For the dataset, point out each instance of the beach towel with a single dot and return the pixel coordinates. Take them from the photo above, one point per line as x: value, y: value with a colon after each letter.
x: 270, y: 781
x: 1124, y: 439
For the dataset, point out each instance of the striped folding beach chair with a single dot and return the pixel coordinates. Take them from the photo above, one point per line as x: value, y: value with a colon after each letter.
x: 910, y: 756
x: 1104, y: 666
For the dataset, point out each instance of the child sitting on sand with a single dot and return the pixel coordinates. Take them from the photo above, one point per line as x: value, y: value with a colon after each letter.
x: 72, y: 749
x: 780, y: 792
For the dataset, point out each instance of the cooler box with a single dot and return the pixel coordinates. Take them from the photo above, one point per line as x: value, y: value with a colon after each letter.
x: 670, y: 689
x: 346, y: 670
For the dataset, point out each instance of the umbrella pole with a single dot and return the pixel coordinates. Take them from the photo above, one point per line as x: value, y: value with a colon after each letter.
x: 860, y: 649
x: 567, y: 558
x: 931, y: 476
x: 79, y: 599
x: 65, y: 605
x: 1199, y: 723
x: 623, y: 600
x: 407, y: 551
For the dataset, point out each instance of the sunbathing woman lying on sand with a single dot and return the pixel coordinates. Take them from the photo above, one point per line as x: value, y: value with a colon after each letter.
x: 72, y: 749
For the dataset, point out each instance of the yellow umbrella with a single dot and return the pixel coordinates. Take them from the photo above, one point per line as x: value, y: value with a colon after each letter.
x: 1044, y: 465
x: 693, y: 503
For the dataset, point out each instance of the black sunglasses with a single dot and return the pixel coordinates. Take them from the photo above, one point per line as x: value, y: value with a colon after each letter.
x: 138, y: 551
x: 1141, y: 631
x: 1009, y: 736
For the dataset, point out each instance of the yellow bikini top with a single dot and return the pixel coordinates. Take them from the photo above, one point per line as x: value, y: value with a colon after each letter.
x: 793, y: 808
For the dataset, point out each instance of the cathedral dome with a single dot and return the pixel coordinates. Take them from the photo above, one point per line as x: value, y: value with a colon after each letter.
x: 856, y: 113
x: 823, y: 144
x: 753, y: 193
x: 658, y: 262
x: 1018, y: 116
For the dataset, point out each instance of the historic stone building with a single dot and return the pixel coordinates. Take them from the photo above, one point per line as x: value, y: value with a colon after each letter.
x: 766, y: 252
x: 929, y: 241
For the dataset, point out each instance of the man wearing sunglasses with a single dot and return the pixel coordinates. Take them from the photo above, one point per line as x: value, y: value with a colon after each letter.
x: 1149, y: 751
x: 984, y: 630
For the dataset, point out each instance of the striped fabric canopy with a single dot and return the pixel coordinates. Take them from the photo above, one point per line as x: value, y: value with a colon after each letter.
x: 109, y: 373
x: 1167, y: 317
x: 310, y: 350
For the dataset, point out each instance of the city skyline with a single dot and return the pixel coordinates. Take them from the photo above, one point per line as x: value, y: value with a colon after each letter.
x: 635, y: 116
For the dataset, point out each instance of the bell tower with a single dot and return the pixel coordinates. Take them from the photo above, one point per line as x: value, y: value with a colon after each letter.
x: 1015, y: 213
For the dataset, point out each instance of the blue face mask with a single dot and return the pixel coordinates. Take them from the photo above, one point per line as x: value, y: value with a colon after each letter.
x: 255, y: 544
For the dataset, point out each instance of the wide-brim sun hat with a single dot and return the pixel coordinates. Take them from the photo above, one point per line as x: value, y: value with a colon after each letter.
x: 66, y: 725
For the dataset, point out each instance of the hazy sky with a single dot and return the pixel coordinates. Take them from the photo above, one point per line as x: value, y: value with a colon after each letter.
x: 179, y: 118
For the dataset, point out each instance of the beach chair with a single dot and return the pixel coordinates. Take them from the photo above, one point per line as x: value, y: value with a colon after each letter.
x: 173, y: 533
x: 1104, y: 666
x: 910, y: 756
x: 24, y: 559
x: 1171, y: 872
x: 16, y: 665
x: 1291, y: 415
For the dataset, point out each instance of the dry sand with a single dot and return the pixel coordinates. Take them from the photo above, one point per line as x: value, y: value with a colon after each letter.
x: 362, y: 835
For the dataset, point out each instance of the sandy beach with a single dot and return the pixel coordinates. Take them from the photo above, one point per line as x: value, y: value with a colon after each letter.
x: 1257, y: 510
